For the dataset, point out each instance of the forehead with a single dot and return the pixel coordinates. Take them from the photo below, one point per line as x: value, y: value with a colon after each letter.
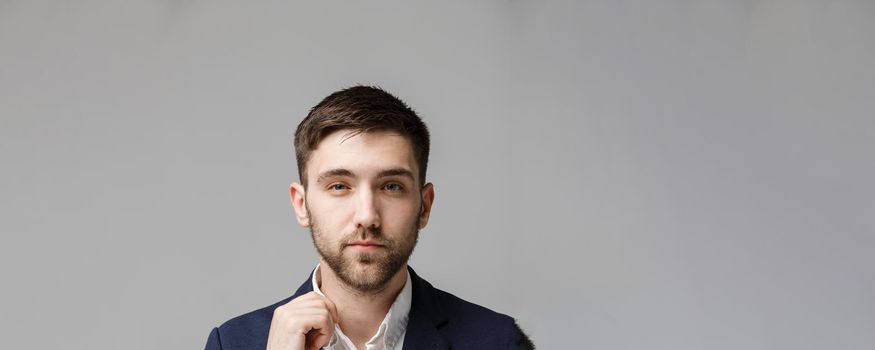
x: 365, y: 153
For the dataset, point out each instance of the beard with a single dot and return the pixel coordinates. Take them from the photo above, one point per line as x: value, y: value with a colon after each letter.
x: 367, y: 272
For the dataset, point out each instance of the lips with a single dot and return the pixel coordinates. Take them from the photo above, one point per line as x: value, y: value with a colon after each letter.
x: 365, y: 244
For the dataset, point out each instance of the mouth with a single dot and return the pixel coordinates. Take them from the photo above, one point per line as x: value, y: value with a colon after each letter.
x: 365, y: 245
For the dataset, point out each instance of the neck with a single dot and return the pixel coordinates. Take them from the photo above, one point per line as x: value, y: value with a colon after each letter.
x: 360, y: 313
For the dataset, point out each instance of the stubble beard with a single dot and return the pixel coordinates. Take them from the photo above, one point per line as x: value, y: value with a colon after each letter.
x: 383, y: 264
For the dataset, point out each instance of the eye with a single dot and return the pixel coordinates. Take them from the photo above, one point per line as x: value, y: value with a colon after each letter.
x: 337, y: 187
x: 393, y: 187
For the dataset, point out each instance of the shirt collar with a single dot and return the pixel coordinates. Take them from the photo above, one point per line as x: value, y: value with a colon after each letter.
x: 394, y: 324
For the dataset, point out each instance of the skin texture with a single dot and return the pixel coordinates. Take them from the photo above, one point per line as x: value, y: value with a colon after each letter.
x: 364, y: 206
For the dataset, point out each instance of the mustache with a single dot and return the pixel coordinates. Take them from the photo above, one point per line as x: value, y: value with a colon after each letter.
x: 371, y: 234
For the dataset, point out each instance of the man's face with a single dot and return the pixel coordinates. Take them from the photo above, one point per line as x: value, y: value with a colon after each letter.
x: 364, y: 205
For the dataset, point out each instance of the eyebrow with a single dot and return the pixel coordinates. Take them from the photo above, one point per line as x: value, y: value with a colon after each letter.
x: 340, y: 172
x: 397, y: 172
x: 334, y: 173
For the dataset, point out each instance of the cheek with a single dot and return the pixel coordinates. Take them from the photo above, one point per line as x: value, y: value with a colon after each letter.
x: 330, y: 212
x: 401, y: 213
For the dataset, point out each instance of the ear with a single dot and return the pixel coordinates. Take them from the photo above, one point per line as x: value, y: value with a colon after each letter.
x: 427, y: 194
x: 298, y: 196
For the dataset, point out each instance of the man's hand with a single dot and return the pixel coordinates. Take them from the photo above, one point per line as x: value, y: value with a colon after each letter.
x: 305, y: 323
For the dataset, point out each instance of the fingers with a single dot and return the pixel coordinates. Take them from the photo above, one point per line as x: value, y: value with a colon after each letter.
x: 315, y: 305
x: 305, y: 322
x: 318, y: 340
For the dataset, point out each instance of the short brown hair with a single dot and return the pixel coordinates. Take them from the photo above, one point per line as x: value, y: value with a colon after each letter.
x: 360, y: 109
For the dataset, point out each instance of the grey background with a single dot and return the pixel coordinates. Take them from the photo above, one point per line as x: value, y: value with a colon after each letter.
x: 614, y: 174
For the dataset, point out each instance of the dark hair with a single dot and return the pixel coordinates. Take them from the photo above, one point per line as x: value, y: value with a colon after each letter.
x: 360, y: 109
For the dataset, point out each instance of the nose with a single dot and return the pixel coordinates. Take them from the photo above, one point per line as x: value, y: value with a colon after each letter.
x: 367, y: 214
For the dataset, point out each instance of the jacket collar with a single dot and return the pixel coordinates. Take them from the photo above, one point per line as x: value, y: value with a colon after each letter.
x: 427, y: 315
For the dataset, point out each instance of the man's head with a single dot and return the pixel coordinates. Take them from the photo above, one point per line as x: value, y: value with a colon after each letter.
x: 360, y: 109
x: 362, y: 155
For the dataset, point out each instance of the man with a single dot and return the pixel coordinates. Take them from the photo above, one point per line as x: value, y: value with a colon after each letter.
x: 362, y: 156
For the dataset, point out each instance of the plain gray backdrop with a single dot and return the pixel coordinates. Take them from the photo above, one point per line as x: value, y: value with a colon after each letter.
x: 614, y: 174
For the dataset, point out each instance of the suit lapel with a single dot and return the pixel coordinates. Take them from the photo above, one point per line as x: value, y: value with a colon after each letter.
x: 427, y: 317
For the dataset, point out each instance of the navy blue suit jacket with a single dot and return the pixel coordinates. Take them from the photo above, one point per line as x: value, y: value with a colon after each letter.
x: 438, y: 320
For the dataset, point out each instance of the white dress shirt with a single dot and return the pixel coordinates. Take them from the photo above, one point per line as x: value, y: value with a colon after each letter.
x: 390, y: 334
